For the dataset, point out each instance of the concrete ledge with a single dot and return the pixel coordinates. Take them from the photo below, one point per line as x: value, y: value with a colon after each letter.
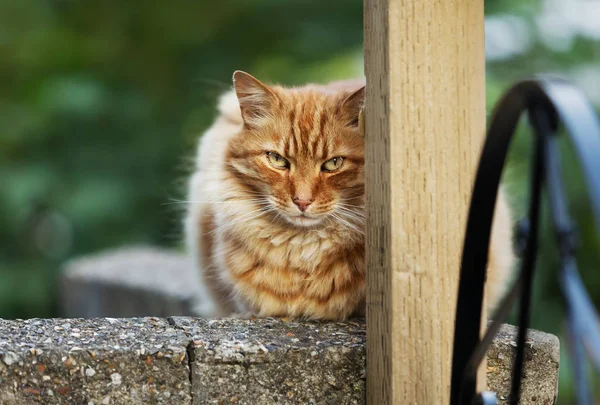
x: 220, y: 361
x: 99, y: 361
x: 272, y: 361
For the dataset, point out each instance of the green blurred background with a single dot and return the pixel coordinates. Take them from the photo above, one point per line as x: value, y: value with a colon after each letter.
x: 101, y: 104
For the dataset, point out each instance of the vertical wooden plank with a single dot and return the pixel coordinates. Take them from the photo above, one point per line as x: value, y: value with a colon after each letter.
x: 425, y: 123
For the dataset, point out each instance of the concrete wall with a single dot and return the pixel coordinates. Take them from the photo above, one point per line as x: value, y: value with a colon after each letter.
x: 185, y: 360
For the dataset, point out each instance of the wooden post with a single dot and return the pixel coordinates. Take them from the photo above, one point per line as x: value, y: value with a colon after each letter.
x: 425, y: 124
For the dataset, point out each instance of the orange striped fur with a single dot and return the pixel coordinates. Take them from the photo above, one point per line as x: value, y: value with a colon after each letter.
x: 258, y: 251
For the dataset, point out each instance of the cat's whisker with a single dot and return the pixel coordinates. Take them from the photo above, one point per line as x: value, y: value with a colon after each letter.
x: 347, y: 223
x: 237, y: 200
x: 361, y: 207
x: 350, y: 205
x: 351, y: 210
x: 210, y: 202
x: 245, y: 218
x: 352, y: 214
x: 352, y: 219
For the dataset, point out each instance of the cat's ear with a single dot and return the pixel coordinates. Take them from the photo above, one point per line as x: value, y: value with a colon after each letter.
x: 352, y: 106
x: 255, y: 98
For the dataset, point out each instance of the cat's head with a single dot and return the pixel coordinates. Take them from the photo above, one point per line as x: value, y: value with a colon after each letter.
x: 301, y: 151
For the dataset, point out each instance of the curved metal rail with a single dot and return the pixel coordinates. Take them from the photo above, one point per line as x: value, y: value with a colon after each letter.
x: 548, y: 102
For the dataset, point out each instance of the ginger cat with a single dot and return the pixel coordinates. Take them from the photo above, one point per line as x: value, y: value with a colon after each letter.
x: 276, y: 205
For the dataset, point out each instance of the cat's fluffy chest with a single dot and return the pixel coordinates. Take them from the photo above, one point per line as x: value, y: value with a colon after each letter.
x: 290, y: 272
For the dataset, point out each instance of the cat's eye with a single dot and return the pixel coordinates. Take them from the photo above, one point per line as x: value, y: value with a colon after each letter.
x: 332, y: 164
x: 278, y: 161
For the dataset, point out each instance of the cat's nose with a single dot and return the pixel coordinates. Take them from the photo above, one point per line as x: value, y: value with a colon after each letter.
x: 302, y: 203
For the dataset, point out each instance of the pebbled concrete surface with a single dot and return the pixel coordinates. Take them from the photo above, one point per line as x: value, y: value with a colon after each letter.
x: 183, y: 360
x: 273, y: 361
x: 542, y: 358
x: 96, y: 361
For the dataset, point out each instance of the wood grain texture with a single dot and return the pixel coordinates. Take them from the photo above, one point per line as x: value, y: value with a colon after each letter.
x: 424, y: 127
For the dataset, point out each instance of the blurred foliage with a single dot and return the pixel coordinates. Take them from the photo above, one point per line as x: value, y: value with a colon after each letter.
x: 101, y: 104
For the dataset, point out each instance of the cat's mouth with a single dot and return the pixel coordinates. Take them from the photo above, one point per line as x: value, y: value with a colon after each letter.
x: 303, y: 220
x: 298, y: 218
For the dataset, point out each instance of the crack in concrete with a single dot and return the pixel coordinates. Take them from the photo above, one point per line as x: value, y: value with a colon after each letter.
x: 190, y: 353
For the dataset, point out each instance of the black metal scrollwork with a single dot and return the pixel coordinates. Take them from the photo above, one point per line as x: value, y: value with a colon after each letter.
x: 548, y: 102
